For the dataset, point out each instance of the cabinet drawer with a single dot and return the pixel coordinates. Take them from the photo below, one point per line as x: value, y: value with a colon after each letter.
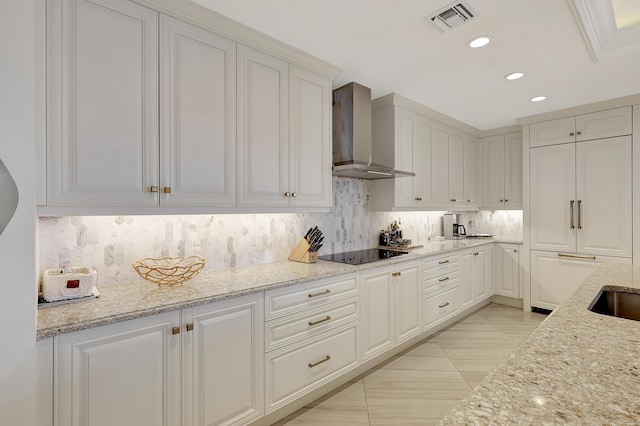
x: 290, y: 373
x: 293, y: 328
x: 292, y: 299
x: 441, y: 306
x: 441, y: 281
x: 440, y: 265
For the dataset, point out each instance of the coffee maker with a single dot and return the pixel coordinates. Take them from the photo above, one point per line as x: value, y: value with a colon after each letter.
x: 453, y: 229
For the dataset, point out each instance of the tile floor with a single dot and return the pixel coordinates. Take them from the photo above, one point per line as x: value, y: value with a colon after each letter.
x: 421, y: 385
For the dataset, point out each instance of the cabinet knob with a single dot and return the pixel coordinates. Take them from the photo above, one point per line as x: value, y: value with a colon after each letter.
x: 502, y: 201
x: 294, y: 194
x: 515, y: 251
x: 506, y: 201
x: 175, y: 330
x: 453, y: 200
x: 579, y: 132
x: 418, y: 198
x: 287, y: 194
x: 153, y: 189
x: 468, y: 201
x: 189, y: 327
x: 571, y: 134
x: 166, y: 190
x: 476, y: 253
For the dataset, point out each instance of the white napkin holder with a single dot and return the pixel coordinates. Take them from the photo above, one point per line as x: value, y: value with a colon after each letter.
x: 74, y: 283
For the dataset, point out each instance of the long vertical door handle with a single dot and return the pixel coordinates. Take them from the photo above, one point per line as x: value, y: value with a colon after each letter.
x: 579, y: 214
x: 571, y: 214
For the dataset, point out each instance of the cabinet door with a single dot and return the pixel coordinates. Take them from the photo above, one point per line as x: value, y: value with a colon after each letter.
x: 489, y: 276
x: 404, y: 159
x: 408, y: 295
x: 604, y: 124
x: 478, y: 271
x: 513, y: 171
x: 466, y: 281
x: 552, y: 132
x: 122, y: 374
x: 440, y: 167
x: 102, y: 93
x: 471, y: 172
x: 421, y: 162
x: 552, y: 190
x: 310, y: 133
x: 604, y: 195
x: 376, y: 316
x: 263, y: 129
x: 456, y: 170
x: 198, y: 111
x: 506, y: 273
x: 494, y: 172
x: 224, y: 362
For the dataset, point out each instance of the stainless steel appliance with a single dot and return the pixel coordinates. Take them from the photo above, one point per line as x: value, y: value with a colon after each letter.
x: 452, y: 227
x: 353, y: 155
x: 359, y: 257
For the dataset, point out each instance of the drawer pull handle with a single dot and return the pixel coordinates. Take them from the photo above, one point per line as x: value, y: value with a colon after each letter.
x: 328, y: 318
x: 327, y: 358
x: 443, y: 305
x: 444, y: 279
x: 573, y: 256
x: 442, y: 262
x: 476, y: 253
x: 396, y: 274
x: 327, y: 291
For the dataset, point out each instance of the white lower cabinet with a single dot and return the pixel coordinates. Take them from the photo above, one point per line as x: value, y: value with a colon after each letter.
x: 311, y: 337
x: 391, y: 311
x: 441, y: 305
x: 507, y: 270
x: 223, y: 371
x: 556, y: 276
x: 476, y: 271
x: 130, y: 373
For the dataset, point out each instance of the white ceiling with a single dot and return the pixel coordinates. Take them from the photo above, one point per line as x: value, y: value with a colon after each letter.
x: 389, y: 47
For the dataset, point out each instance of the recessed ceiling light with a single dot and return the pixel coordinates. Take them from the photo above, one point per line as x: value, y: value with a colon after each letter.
x: 538, y: 98
x: 479, y: 41
x: 514, y: 75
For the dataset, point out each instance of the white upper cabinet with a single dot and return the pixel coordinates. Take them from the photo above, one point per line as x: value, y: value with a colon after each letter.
x: 284, y: 137
x: 263, y: 134
x: 197, y: 107
x: 310, y: 136
x: 148, y: 113
x: 471, y: 157
x: 456, y: 170
x: 597, y: 125
x: 440, y: 166
x: 412, y: 152
x: 102, y: 103
x: 503, y: 171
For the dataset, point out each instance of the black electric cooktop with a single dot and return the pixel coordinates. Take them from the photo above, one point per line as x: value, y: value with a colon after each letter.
x: 359, y: 257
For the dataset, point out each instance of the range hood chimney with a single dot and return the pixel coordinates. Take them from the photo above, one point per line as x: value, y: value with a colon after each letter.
x: 352, y: 142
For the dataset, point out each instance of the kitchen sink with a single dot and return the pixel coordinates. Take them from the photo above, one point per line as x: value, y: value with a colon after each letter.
x: 617, y: 302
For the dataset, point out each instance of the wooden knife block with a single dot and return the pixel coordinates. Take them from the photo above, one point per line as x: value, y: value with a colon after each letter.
x: 300, y: 253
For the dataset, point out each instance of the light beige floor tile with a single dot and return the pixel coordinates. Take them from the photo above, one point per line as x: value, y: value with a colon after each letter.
x: 477, y: 335
x: 474, y: 326
x: 476, y: 363
x: 397, y: 392
x: 384, y: 374
x: 425, y: 413
x: 324, y: 415
x: 426, y: 349
x: 518, y: 337
x: 348, y: 395
x: 437, y: 363
x: 498, y: 351
x: 474, y: 377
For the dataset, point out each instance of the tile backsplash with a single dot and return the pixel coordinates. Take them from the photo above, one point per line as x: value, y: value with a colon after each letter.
x: 110, y: 244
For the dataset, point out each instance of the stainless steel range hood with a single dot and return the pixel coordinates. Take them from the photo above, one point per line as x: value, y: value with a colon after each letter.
x: 352, y: 142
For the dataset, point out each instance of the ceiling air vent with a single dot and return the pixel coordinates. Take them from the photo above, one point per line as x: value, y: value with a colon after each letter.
x: 452, y: 16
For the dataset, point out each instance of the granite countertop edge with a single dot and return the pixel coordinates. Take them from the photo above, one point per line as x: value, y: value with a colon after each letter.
x: 577, y: 367
x: 126, y: 301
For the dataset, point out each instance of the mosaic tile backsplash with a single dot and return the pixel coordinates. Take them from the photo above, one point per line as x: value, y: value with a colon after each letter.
x: 110, y: 244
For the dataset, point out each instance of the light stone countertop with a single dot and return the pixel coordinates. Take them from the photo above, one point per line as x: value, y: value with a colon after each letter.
x: 578, y: 367
x: 121, y: 302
